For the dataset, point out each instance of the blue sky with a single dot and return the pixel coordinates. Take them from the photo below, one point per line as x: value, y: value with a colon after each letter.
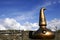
x: 28, y: 10
x: 14, y: 8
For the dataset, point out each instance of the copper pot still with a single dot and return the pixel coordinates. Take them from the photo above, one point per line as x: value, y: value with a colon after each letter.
x: 42, y: 32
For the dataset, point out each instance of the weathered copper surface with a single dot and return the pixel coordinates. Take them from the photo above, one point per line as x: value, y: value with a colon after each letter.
x: 42, y: 32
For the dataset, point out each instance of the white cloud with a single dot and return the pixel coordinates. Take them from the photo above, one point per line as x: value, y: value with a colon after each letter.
x: 9, y: 23
x: 12, y: 24
x: 31, y: 26
x: 2, y: 27
x: 53, y: 24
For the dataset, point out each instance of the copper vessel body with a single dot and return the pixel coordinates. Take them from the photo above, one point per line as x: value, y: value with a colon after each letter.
x: 42, y: 32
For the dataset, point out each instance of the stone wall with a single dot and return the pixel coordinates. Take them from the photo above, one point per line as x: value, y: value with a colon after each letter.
x: 20, y: 35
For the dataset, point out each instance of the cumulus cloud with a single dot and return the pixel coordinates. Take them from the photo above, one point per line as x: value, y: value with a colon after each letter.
x: 2, y: 27
x: 12, y: 24
x: 54, y: 24
x: 9, y: 23
x: 31, y: 26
